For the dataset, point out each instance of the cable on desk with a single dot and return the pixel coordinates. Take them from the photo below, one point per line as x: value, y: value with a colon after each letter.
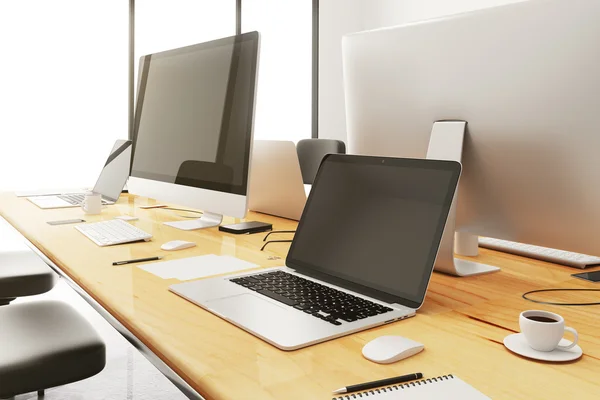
x: 561, y: 290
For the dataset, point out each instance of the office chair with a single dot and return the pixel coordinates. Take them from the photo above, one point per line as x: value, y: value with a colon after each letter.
x: 23, y: 273
x: 46, y: 344
x: 311, y: 153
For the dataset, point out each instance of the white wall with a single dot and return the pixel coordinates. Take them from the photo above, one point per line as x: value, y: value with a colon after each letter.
x: 338, y: 17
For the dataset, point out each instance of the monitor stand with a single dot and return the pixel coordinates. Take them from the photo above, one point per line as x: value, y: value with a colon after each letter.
x: 446, y: 143
x: 208, y: 220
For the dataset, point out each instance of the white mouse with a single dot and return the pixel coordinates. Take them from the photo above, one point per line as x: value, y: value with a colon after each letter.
x: 389, y: 349
x: 177, y: 245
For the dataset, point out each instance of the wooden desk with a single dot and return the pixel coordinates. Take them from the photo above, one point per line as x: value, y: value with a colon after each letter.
x: 462, y: 323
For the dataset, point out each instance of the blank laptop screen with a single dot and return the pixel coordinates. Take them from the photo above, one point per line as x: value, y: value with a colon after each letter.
x: 376, y: 222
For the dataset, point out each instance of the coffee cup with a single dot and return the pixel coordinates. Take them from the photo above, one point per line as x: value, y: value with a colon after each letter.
x: 543, y: 330
x: 92, y: 203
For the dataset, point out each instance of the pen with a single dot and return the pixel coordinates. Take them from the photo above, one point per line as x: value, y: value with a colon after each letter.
x: 136, y: 260
x: 376, y: 384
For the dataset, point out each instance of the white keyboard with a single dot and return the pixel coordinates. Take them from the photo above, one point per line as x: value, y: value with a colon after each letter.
x: 540, y: 253
x: 115, y: 231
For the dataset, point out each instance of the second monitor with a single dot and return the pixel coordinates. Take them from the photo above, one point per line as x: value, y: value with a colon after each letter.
x: 194, y: 127
x: 524, y: 76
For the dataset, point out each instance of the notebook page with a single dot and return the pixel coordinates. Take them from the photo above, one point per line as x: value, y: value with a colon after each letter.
x: 446, y: 388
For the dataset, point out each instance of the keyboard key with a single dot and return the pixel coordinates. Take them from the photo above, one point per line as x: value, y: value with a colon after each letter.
x: 277, y: 297
x: 321, y: 301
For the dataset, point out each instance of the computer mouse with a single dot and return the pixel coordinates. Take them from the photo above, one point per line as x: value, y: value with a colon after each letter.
x: 177, y: 245
x: 389, y: 349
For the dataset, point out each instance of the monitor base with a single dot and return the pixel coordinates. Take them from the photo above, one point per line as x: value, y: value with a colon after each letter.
x: 446, y: 143
x: 208, y: 220
x: 470, y: 268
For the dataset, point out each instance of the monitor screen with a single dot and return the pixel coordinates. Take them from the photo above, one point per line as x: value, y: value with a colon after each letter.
x: 193, y: 122
x: 376, y: 223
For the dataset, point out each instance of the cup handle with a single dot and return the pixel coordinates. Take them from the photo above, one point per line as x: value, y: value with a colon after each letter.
x: 575, y: 340
x: 83, y: 206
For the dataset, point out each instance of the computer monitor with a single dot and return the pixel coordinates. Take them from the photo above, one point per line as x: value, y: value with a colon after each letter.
x: 525, y: 78
x: 193, y: 127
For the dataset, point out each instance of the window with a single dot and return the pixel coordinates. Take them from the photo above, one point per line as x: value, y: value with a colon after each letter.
x: 64, y: 78
x: 63, y: 96
x: 169, y: 24
x: 283, y: 109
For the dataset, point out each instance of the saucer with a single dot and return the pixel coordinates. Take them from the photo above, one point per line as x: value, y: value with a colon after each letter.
x: 517, y: 344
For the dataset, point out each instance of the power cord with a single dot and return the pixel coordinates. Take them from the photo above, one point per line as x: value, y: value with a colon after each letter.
x: 561, y: 290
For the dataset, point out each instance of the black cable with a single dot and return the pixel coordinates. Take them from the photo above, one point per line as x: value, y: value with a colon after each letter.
x: 561, y: 290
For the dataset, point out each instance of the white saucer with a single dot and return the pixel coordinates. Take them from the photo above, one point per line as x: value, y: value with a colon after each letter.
x: 517, y: 344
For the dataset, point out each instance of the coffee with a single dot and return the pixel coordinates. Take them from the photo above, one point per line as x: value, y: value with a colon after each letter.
x: 541, y: 319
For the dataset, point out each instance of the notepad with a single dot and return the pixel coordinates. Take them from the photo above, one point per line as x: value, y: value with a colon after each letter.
x: 441, y: 387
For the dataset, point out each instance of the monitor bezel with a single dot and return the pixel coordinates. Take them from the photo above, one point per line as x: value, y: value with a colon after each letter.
x: 144, y: 65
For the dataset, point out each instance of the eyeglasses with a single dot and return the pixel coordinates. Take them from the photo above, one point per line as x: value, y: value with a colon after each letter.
x: 275, y: 241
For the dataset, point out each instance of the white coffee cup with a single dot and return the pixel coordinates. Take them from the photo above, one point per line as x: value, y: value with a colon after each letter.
x: 543, y: 330
x: 92, y: 203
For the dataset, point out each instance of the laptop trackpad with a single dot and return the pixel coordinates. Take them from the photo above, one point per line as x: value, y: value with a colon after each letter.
x: 267, y: 319
x: 245, y: 307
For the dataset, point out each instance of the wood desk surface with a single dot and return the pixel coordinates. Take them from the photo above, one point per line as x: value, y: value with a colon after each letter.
x: 462, y: 322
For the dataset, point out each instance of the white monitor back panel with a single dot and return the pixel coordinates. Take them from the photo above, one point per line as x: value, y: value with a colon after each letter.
x: 525, y: 78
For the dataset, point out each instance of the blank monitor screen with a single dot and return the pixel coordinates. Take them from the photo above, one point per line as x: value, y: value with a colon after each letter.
x: 376, y: 222
x: 194, y: 114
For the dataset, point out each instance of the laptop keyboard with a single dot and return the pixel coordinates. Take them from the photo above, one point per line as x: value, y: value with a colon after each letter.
x: 320, y: 301
x: 75, y: 199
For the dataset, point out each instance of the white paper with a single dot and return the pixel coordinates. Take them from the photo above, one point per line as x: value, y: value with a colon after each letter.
x: 157, y: 269
x: 126, y: 218
x: 185, y: 269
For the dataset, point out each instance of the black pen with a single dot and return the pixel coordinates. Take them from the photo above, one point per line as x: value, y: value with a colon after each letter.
x: 136, y: 261
x: 376, y: 384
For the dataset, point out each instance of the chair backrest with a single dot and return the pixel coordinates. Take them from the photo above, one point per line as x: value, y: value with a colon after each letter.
x: 311, y: 153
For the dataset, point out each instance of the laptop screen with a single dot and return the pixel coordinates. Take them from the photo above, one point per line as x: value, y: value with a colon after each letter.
x: 115, y: 171
x: 374, y: 224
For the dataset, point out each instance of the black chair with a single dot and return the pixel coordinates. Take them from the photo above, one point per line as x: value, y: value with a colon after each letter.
x: 311, y: 153
x: 23, y: 273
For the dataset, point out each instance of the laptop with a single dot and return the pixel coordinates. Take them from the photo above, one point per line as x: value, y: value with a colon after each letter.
x: 362, y: 255
x: 276, y: 185
x: 109, y: 185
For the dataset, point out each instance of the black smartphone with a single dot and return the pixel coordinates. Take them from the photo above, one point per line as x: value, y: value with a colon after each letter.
x: 589, y: 276
x: 66, y: 221
x: 247, y: 227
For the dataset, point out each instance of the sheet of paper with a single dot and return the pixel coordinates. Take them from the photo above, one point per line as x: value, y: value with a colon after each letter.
x: 186, y: 269
x: 157, y: 269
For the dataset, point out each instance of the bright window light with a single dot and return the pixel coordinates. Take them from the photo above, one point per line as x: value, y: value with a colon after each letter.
x: 63, y: 90
x: 163, y: 25
x: 283, y: 109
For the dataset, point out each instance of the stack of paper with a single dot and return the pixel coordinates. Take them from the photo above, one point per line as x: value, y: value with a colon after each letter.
x: 186, y: 269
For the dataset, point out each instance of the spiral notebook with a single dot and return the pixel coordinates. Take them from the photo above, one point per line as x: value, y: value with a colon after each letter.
x: 443, y: 387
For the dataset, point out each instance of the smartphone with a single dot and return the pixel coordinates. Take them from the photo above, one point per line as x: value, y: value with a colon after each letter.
x: 66, y: 221
x: 247, y: 227
x: 589, y: 276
